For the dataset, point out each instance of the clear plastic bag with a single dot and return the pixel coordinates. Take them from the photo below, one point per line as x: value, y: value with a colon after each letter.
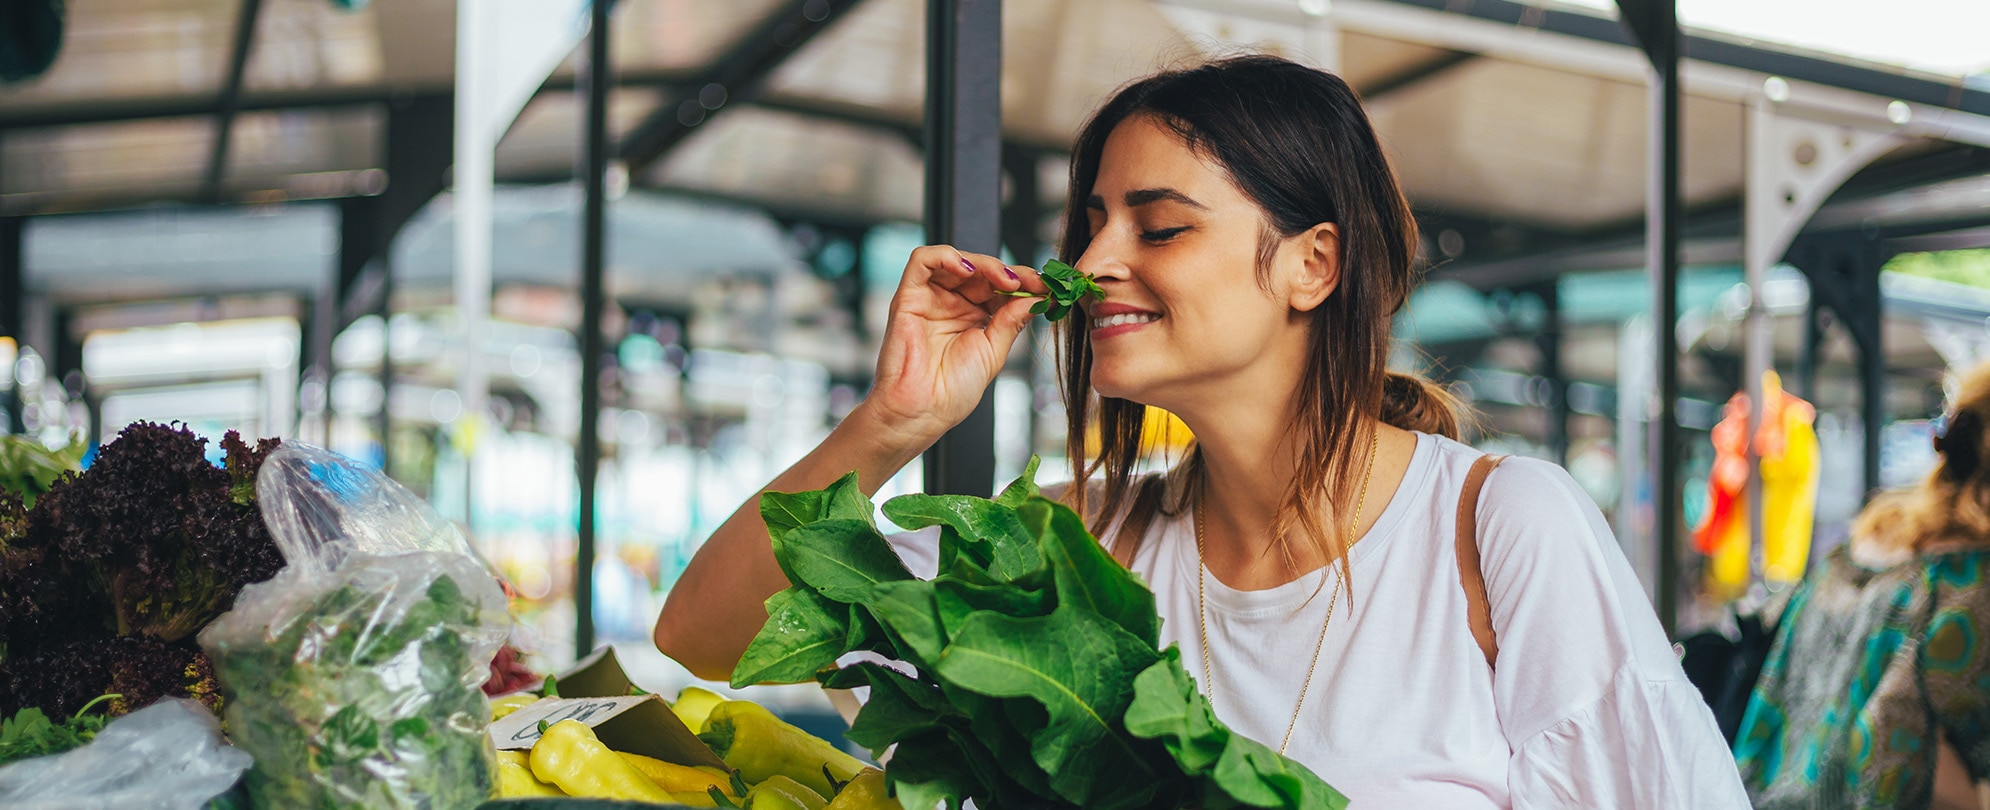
x: 354, y: 676
x: 167, y: 756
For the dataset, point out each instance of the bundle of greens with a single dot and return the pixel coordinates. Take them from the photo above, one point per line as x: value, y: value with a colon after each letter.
x: 29, y: 733
x: 28, y: 468
x: 366, y: 695
x: 1040, y: 679
x: 1066, y: 286
x: 105, y: 580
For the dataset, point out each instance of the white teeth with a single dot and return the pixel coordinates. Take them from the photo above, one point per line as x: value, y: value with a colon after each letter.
x: 1124, y: 319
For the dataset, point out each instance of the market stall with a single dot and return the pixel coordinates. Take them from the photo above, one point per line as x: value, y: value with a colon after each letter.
x: 289, y: 629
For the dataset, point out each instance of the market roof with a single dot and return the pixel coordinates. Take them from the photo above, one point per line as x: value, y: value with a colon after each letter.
x: 1517, y: 126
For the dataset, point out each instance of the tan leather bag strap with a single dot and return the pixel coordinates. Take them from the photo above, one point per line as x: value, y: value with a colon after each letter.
x: 1477, y: 609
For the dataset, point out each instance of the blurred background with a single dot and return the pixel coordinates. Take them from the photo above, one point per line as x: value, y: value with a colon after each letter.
x: 252, y: 215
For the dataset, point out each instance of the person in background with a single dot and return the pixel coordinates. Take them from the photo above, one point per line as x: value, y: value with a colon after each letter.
x: 1877, y: 690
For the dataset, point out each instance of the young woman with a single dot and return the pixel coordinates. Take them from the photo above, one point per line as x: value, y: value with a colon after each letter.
x: 1254, y: 247
x: 1877, y: 692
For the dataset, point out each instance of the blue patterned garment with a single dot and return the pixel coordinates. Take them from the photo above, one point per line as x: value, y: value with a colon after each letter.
x: 1868, y: 667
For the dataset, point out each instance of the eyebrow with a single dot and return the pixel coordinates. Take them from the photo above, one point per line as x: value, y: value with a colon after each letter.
x: 1140, y: 197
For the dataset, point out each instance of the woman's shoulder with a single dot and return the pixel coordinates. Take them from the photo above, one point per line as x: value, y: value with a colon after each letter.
x: 1516, y: 478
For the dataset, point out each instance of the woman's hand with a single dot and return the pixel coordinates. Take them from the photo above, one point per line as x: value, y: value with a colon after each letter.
x: 951, y: 327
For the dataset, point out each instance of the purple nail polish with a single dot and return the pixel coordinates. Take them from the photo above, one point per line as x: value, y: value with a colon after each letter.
x: 1012, y: 273
x: 967, y: 264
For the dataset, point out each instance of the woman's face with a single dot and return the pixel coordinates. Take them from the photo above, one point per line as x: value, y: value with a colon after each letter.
x: 1186, y: 317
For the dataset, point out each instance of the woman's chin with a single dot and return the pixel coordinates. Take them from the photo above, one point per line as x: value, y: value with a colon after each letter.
x: 1116, y: 386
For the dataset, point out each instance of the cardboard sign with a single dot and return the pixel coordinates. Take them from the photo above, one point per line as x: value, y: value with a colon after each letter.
x: 637, y: 725
x: 597, y: 675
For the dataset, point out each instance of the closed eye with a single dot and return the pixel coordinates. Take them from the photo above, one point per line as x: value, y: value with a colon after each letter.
x: 1163, y: 234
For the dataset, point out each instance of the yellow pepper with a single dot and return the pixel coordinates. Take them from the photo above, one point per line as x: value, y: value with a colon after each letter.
x: 761, y: 746
x: 693, y: 705
x: 570, y: 756
x: 697, y: 799
x: 511, y: 703
x: 866, y: 792
x: 782, y: 793
x: 678, y: 778
x: 515, y: 779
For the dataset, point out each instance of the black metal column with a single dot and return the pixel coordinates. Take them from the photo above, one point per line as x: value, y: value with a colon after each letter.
x: 1022, y: 216
x: 384, y: 420
x: 1654, y: 24
x: 587, y: 450
x: 1868, y: 324
x: 1844, y: 270
x: 963, y: 194
x: 13, y: 308
x: 1813, y: 346
x: 65, y: 369
x: 1548, y: 341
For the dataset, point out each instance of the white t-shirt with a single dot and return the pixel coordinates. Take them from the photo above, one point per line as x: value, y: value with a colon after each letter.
x: 1588, y: 707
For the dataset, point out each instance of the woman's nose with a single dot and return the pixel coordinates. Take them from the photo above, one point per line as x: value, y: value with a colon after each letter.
x: 1103, y: 260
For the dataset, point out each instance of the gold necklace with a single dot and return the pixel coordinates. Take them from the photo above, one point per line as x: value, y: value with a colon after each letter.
x: 1202, y: 599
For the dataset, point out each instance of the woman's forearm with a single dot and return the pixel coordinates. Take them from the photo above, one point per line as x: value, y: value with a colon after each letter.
x: 716, y: 607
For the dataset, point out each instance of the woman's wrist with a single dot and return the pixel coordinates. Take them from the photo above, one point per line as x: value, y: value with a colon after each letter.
x: 885, y: 440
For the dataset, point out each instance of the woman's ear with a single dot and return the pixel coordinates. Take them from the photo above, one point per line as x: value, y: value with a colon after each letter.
x: 1319, y: 266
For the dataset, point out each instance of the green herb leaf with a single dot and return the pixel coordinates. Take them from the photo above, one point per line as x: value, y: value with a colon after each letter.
x: 906, y: 608
x: 1083, y: 680
x: 804, y: 633
x: 1166, y: 707
x: 899, y: 707
x: 929, y: 770
x: 1011, y: 552
x: 1064, y: 286
x: 1021, y: 489
x: 957, y: 600
x: 840, y: 558
x: 1087, y: 575
x: 843, y: 500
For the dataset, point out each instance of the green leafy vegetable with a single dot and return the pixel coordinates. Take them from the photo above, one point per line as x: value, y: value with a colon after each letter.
x: 105, y: 580
x: 28, y: 468
x: 1039, y: 677
x: 1066, y: 286
x: 365, y: 697
x: 31, y: 734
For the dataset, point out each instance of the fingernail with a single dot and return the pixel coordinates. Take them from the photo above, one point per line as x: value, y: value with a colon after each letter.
x: 967, y: 264
x: 1012, y: 273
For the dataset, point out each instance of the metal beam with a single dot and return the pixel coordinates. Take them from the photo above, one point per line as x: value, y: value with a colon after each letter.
x: 594, y: 222
x: 230, y: 100
x: 1729, y: 53
x: 98, y: 111
x: 1655, y: 26
x: 737, y: 75
x: 964, y: 194
x: 1967, y: 239
x: 1415, y: 75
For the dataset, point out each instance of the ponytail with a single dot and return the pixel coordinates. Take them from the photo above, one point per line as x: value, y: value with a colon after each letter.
x: 1411, y: 402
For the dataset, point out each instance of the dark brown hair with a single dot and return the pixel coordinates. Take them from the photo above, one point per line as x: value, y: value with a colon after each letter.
x: 1296, y: 141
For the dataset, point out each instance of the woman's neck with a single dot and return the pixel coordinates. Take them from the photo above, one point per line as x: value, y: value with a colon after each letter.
x: 1248, y: 468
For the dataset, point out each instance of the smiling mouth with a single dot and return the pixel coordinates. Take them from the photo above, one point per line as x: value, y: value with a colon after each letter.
x: 1124, y: 319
